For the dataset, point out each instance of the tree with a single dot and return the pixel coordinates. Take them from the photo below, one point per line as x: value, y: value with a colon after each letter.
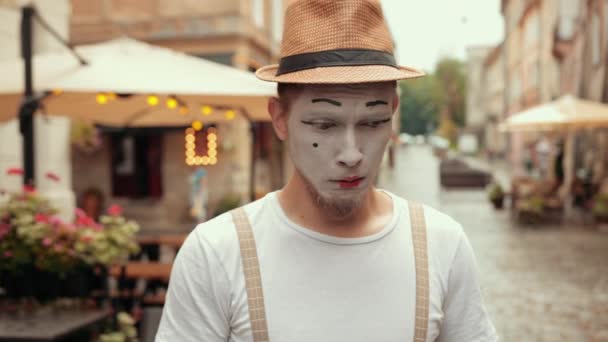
x: 451, y: 74
x: 420, y: 99
x: 423, y: 99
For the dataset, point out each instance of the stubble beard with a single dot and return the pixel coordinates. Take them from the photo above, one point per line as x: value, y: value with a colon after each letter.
x: 336, y: 207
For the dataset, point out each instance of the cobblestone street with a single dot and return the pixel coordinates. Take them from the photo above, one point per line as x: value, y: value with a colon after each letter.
x: 546, y: 283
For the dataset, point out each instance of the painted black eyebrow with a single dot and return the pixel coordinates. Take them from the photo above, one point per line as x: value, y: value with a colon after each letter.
x: 375, y: 103
x: 330, y: 101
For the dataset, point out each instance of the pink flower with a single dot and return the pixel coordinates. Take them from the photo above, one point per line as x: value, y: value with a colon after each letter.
x: 28, y: 189
x: 47, y: 242
x: 115, y: 210
x: 55, y: 220
x: 8, y: 254
x: 41, y: 218
x: 14, y: 171
x: 82, y: 219
x: 52, y: 176
x: 4, y: 229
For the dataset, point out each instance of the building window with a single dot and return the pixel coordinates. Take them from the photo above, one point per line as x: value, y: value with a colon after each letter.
x: 136, y: 165
x: 277, y: 19
x: 596, y: 36
x: 257, y: 7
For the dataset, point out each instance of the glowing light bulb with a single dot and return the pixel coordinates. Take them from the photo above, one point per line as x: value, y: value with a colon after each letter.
x: 230, y: 114
x: 152, y: 100
x: 212, y: 145
x: 102, y: 98
x: 197, y: 125
x: 171, y: 103
x: 206, y: 110
x: 211, y: 137
x: 212, y: 160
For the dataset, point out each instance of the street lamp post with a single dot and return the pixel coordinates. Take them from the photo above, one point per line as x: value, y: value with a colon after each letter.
x: 29, y: 103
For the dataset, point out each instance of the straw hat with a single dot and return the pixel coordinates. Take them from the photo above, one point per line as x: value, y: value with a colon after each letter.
x: 336, y: 41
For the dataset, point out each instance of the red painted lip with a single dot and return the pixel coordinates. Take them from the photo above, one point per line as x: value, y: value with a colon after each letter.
x: 350, y: 182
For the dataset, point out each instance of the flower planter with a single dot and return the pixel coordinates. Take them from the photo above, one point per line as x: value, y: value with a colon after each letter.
x: 498, y: 203
x: 45, y: 286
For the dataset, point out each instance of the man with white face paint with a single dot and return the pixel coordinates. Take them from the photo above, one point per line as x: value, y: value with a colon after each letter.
x: 329, y: 257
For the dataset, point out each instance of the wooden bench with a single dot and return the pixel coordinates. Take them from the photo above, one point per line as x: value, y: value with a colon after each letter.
x: 142, y: 270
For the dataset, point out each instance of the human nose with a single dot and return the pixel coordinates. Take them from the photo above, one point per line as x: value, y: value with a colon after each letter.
x: 350, y: 155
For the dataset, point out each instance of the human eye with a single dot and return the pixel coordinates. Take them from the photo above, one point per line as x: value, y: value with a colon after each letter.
x: 320, y: 125
x: 375, y: 123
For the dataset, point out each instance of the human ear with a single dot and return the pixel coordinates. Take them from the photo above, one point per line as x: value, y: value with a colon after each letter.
x: 279, y: 117
x: 395, y: 102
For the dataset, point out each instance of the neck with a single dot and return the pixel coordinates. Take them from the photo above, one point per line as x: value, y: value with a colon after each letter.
x: 299, y: 205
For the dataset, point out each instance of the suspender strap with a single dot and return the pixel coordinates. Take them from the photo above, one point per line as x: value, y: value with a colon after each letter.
x: 253, y: 280
x: 422, y: 271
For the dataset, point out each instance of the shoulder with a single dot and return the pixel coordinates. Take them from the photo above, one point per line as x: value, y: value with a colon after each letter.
x: 444, y: 235
x: 440, y: 227
x: 218, y: 235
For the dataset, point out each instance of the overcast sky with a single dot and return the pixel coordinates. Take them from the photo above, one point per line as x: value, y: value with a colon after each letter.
x: 425, y: 30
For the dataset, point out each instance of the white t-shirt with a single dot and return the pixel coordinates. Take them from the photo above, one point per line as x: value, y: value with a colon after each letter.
x: 324, y: 288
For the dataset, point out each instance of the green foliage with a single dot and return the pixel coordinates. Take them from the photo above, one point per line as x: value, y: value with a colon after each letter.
x: 228, y: 203
x: 451, y: 74
x: 600, y: 207
x: 420, y: 99
x: 532, y: 205
x: 124, y: 330
x: 423, y: 99
x: 495, y: 191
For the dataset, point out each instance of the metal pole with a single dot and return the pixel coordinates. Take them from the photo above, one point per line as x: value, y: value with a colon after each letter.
x: 29, y: 104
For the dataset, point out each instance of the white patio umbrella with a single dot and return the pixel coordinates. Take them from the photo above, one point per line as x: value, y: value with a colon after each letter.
x: 566, y: 112
x: 130, y: 83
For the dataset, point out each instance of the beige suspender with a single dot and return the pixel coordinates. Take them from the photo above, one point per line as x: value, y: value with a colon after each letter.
x: 253, y: 281
x: 422, y: 271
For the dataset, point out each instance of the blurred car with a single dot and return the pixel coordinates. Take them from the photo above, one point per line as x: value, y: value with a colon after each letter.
x: 467, y: 144
x: 405, y: 139
x: 439, y: 142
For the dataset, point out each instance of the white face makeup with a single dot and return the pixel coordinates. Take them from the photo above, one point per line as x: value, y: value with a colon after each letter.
x: 336, y: 138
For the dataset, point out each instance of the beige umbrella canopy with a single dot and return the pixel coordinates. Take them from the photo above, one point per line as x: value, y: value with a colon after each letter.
x: 565, y: 112
x: 130, y: 83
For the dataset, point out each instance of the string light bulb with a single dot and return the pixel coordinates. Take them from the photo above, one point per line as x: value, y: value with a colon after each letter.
x: 101, y: 98
x: 197, y: 125
x: 153, y: 100
x: 206, y: 110
x: 230, y: 114
x: 171, y: 102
